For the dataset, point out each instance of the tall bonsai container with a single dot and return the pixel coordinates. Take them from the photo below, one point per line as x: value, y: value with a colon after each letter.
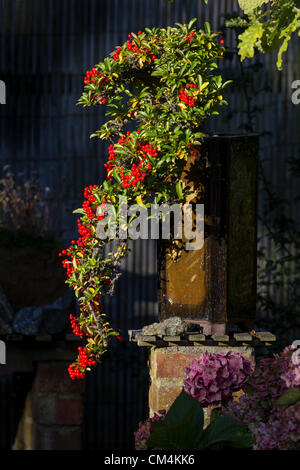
x: 216, y: 285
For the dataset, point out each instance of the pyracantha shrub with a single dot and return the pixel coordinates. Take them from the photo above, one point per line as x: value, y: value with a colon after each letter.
x: 164, y: 81
x: 213, y: 378
x: 270, y: 407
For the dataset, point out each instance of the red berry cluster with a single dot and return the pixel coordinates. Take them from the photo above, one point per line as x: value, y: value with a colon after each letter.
x: 84, y: 232
x: 90, y: 199
x: 190, y: 37
x: 75, y: 326
x: 133, y: 177
x: 110, y: 166
x: 87, y: 193
x: 98, y: 99
x: 75, y: 372
x: 131, y: 46
x: 117, y: 53
x: 83, y: 359
x: 185, y: 98
x: 138, y: 172
x: 193, y: 152
x: 67, y: 264
x: 91, y: 76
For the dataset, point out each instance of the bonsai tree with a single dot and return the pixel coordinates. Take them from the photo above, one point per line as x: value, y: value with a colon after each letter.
x: 164, y: 82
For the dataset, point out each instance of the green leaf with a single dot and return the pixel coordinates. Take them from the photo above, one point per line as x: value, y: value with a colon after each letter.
x: 179, y: 190
x: 249, y: 5
x: 79, y: 211
x: 215, y: 413
x: 225, y: 432
x: 283, y: 48
x: 191, y: 23
x: 116, y: 176
x: 249, y: 40
x: 182, y: 426
x: 207, y: 27
x: 180, y: 436
x: 183, y: 404
x: 289, y: 397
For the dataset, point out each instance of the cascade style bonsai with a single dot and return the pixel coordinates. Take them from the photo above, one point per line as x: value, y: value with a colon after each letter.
x: 164, y: 81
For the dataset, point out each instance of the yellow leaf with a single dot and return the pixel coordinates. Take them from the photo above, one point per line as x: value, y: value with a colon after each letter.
x: 220, y: 97
x: 182, y: 105
x: 141, y: 61
x: 79, y: 254
x: 139, y: 200
x: 75, y: 263
x: 135, y: 102
x: 120, y: 57
x: 204, y: 85
x: 181, y: 153
x: 92, y: 290
x: 115, y: 75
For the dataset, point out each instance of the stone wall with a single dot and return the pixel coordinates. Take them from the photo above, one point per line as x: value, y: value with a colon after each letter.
x: 53, y: 411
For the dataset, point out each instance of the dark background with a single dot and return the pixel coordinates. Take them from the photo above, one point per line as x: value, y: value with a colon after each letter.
x: 45, y: 48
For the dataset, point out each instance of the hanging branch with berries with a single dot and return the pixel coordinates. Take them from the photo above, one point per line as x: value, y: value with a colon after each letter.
x: 163, y: 80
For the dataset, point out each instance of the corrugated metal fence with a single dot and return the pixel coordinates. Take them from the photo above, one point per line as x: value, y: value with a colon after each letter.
x: 45, y: 48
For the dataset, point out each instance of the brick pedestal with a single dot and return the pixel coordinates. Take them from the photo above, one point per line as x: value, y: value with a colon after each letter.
x: 167, y: 370
x: 53, y: 411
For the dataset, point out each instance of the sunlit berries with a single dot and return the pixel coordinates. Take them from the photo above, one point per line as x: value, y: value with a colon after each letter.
x: 185, y: 97
x: 117, y: 54
x: 75, y: 327
x: 190, y: 37
x: 75, y: 372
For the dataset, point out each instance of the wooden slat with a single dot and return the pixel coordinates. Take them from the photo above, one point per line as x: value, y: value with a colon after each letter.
x: 197, y: 337
x: 242, y: 336
x: 266, y: 336
x: 222, y: 338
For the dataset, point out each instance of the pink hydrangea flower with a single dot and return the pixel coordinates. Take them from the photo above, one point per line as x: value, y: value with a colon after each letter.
x: 142, y: 435
x: 273, y: 426
x: 213, y: 378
